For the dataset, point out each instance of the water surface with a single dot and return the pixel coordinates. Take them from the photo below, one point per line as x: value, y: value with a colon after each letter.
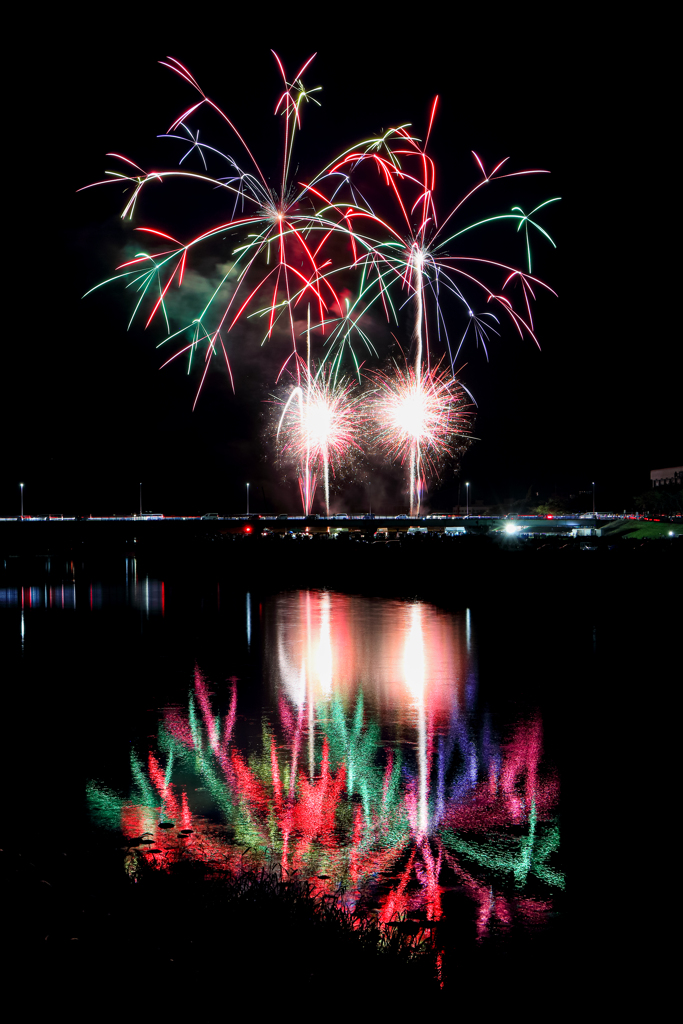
x: 372, y: 768
x: 391, y: 751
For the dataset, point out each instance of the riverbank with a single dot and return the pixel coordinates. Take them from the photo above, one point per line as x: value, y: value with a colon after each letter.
x: 88, y: 925
x: 431, y: 565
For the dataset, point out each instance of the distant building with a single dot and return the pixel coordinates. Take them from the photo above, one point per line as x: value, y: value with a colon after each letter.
x: 671, y: 477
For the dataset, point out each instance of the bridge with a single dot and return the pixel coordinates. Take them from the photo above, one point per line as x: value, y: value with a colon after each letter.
x: 47, y: 532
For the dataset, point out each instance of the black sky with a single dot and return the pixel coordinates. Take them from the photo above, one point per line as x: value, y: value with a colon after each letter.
x: 89, y: 414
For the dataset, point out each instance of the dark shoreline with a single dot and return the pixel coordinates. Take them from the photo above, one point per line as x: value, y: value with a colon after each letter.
x: 475, y: 567
x: 81, y: 925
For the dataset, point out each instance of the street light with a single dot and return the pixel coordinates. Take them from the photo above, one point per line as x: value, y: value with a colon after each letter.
x: 247, y: 499
x: 21, y: 486
x: 467, y: 493
x: 594, y: 497
x: 141, y: 497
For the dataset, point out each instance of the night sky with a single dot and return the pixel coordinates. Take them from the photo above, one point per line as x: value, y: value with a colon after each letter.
x: 89, y: 414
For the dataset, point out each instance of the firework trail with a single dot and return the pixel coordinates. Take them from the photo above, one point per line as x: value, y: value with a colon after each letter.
x: 413, y: 253
x: 412, y: 250
x: 420, y: 421
x: 319, y: 426
x: 281, y: 258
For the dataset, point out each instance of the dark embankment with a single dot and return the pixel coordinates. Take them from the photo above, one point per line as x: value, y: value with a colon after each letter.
x: 478, y: 566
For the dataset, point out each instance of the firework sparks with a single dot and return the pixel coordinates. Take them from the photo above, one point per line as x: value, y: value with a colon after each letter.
x: 285, y: 254
x: 420, y: 420
x: 319, y: 428
x: 417, y: 417
x: 280, y: 258
x: 412, y: 250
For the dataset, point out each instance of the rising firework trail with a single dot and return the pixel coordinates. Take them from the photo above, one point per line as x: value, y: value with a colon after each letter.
x: 319, y: 426
x: 420, y: 420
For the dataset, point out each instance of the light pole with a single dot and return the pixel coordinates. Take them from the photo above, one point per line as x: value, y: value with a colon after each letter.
x: 141, y: 497
x: 247, y: 499
x: 21, y: 488
x: 594, y: 497
x: 467, y: 499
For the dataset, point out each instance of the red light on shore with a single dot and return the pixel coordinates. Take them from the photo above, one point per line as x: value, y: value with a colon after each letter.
x: 247, y: 529
x: 550, y: 517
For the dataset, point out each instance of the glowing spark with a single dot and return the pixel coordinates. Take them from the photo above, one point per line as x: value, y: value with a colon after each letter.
x: 319, y: 428
x: 420, y: 420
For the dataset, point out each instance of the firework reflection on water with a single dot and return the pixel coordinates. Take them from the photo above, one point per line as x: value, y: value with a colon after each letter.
x: 372, y: 769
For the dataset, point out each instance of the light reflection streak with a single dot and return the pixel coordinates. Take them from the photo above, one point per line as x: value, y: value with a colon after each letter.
x: 148, y: 596
x: 407, y: 790
x: 414, y: 667
x: 313, y: 638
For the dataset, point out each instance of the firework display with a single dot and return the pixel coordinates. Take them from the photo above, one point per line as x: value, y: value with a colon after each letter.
x: 280, y: 260
x: 319, y: 428
x: 285, y: 244
x: 413, y: 255
x: 419, y: 417
x: 411, y: 250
